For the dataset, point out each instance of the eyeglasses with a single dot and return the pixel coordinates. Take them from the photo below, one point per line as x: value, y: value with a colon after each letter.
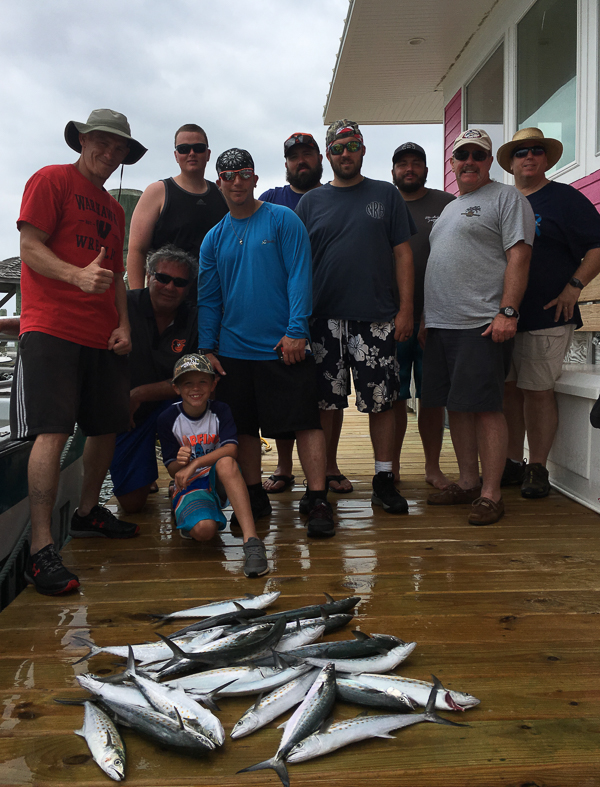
x: 230, y: 174
x: 164, y: 278
x: 337, y: 148
x: 463, y: 155
x: 184, y: 148
x: 522, y: 152
x: 299, y: 139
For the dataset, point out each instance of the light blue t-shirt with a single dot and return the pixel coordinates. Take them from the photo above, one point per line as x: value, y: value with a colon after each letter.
x: 253, y: 293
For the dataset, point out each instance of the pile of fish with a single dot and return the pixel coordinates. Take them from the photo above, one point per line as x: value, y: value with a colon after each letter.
x: 168, y: 690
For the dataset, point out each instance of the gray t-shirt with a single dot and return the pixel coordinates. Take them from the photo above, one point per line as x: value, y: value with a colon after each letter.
x: 353, y: 231
x: 464, y: 280
x: 425, y: 212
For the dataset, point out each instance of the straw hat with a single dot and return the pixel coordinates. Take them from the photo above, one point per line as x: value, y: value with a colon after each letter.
x: 552, y: 147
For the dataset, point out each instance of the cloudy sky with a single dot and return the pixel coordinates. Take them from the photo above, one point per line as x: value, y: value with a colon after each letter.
x: 249, y: 73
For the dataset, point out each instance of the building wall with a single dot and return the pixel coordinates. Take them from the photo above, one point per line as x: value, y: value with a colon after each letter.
x: 452, y: 128
x: 590, y: 186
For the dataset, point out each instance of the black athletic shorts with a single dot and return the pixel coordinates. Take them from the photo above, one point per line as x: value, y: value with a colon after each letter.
x: 270, y: 396
x: 464, y: 371
x: 58, y: 383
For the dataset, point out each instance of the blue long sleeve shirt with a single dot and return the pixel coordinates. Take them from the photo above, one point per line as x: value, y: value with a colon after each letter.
x: 251, y: 294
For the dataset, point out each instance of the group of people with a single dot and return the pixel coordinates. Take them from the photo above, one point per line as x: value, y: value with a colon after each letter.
x: 257, y: 311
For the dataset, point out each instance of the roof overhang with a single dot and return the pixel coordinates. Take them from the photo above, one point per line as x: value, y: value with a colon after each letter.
x: 381, y: 77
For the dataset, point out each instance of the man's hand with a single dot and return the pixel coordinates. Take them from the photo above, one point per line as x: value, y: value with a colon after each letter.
x: 404, y: 326
x: 501, y: 328
x: 422, y: 335
x: 120, y: 340
x: 216, y: 364
x: 94, y: 279
x: 292, y: 350
x: 565, y: 303
x: 134, y: 403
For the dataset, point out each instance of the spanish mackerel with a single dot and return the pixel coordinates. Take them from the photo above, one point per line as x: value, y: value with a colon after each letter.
x: 243, y: 680
x: 315, y: 707
x: 342, y: 733
x: 249, y: 601
x: 315, y: 610
x: 265, y: 709
x: 361, y: 645
x: 240, y: 617
x: 349, y: 689
x: 125, y: 695
x: 379, y: 663
x: 417, y: 690
x: 104, y: 741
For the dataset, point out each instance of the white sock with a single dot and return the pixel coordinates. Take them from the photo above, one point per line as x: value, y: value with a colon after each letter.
x: 383, y: 467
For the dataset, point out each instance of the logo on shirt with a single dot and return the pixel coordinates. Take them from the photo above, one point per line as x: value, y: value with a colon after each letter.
x: 475, y: 210
x: 376, y: 210
x: 264, y: 243
x: 431, y: 219
x: 177, y: 345
x: 103, y: 228
x: 538, y: 224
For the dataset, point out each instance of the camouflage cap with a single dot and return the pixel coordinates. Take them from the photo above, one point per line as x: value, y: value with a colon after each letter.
x: 192, y: 363
x: 340, y: 129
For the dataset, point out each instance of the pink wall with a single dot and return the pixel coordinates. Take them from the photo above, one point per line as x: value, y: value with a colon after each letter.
x: 590, y: 186
x: 452, y: 128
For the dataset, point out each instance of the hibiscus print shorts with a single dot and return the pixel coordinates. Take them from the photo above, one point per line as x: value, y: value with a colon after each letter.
x: 369, y: 350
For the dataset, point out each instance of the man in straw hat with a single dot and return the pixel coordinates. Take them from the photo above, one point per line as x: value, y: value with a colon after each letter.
x: 475, y: 279
x: 566, y: 257
x: 75, y: 335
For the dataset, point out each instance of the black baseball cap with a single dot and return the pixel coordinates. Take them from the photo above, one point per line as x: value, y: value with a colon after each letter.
x: 409, y: 147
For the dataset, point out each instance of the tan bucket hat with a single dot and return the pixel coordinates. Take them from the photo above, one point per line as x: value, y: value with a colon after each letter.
x: 553, y: 147
x: 105, y: 120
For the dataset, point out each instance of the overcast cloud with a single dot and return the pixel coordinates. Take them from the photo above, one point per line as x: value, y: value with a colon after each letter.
x: 249, y: 73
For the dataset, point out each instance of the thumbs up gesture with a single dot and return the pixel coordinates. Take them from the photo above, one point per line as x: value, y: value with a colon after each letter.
x: 184, y: 455
x: 95, y: 279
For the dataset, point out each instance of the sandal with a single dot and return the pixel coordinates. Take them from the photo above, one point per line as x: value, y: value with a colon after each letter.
x: 338, y: 480
x: 287, y: 480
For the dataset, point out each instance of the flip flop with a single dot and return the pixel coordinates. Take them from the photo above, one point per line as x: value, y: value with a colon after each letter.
x: 288, y: 481
x: 338, y: 479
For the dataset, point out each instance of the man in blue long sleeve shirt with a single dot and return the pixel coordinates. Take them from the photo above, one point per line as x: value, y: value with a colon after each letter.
x: 254, y: 300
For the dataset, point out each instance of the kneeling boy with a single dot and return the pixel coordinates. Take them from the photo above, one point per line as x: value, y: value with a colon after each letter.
x: 199, y: 445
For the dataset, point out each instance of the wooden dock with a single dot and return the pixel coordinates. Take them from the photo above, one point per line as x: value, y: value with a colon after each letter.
x: 508, y: 613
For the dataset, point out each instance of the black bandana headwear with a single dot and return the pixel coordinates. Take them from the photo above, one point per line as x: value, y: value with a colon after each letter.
x: 234, y: 159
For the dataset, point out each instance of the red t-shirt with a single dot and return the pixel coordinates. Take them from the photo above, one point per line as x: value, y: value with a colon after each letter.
x: 79, y: 218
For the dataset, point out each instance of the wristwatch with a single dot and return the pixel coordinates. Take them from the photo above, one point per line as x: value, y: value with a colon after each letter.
x: 576, y: 283
x: 204, y: 351
x: 508, y: 311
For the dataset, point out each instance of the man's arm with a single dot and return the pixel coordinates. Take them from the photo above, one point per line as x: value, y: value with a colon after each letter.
x: 405, y: 278
x: 151, y: 392
x: 515, y: 283
x: 93, y: 279
x: 120, y: 338
x: 144, y: 218
x: 588, y: 270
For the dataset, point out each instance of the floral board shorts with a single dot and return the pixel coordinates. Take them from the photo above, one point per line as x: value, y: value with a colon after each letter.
x: 369, y: 350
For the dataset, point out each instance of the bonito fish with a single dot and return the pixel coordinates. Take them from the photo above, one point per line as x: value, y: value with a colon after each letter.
x: 343, y: 733
x: 104, y: 742
x: 249, y: 601
x: 379, y: 663
x: 307, y: 718
x: 417, y: 690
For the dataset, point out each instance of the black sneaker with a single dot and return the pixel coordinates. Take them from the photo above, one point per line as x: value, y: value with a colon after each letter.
x: 386, y: 495
x: 101, y: 523
x: 45, y: 571
x: 514, y: 473
x: 256, y: 558
x: 304, y: 504
x: 260, y: 504
x: 320, y: 520
x: 536, y: 483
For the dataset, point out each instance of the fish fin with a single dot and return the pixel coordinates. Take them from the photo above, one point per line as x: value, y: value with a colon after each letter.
x: 385, y: 735
x: 298, y: 626
x: 179, y: 719
x: 430, y: 714
x: 282, y: 725
x: 130, y: 661
x: 238, y: 606
x: 258, y: 700
x: 60, y: 701
x: 324, y: 614
x: 276, y: 764
x: 109, y: 740
x: 329, y: 598
x: 364, y: 713
x: 80, y: 733
x: 326, y: 724
x: 360, y: 635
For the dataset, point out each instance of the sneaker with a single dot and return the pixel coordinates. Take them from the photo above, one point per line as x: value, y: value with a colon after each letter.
x: 386, y: 495
x: 485, y: 511
x: 101, y: 523
x: 304, y: 504
x: 454, y: 495
x: 260, y: 504
x: 536, y: 483
x: 256, y: 558
x: 514, y: 473
x: 45, y: 571
x: 185, y: 534
x: 320, y: 520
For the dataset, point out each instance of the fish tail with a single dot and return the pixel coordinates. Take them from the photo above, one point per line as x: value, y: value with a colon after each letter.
x: 277, y: 764
x: 84, y: 642
x: 430, y: 714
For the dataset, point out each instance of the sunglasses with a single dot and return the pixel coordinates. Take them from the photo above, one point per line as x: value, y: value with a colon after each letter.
x: 164, y: 278
x: 522, y: 152
x: 230, y: 174
x: 184, y: 148
x: 463, y: 155
x: 337, y: 148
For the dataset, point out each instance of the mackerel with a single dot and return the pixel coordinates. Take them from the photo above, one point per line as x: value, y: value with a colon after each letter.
x: 244, y: 680
x: 316, y: 610
x: 104, y: 741
x: 349, y: 689
x: 361, y: 645
x: 108, y: 692
x: 249, y: 601
x: 417, y: 690
x: 265, y: 709
x: 307, y: 718
x: 379, y: 663
x: 240, y: 617
x: 343, y: 733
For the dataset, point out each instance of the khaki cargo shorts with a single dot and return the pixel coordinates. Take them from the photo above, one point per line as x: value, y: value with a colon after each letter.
x: 538, y: 357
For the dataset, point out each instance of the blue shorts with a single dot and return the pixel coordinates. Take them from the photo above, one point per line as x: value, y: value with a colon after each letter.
x: 410, y: 355
x: 196, y: 505
x: 134, y: 462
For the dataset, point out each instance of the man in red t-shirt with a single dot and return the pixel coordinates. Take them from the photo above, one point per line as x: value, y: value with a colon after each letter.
x: 74, y: 334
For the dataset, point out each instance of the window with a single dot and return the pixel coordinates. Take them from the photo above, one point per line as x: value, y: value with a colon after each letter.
x: 547, y: 72
x: 485, y: 103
